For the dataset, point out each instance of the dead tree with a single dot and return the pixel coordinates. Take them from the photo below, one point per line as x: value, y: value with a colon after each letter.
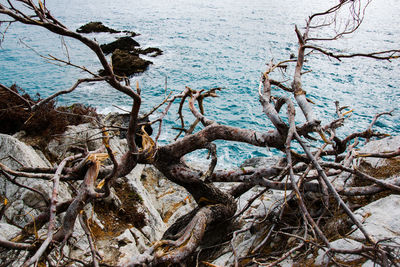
x: 214, y: 206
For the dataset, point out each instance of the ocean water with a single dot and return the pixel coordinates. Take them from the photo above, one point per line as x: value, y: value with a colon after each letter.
x: 210, y: 44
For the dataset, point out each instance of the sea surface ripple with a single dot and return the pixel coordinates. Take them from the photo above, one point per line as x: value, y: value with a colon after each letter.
x: 210, y: 44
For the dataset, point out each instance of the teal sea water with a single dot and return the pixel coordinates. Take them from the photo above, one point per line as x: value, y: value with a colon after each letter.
x: 209, y: 44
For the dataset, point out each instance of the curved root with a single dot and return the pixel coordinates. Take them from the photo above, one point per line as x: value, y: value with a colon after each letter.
x: 188, y: 239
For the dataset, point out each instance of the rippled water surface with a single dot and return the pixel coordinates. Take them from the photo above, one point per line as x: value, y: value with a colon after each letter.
x: 215, y: 44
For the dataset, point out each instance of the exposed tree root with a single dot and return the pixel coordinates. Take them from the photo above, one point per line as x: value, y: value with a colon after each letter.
x: 306, y: 172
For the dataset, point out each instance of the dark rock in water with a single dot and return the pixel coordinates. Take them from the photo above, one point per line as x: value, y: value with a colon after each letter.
x: 131, y: 34
x: 151, y: 51
x: 123, y: 43
x: 125, y: 56
x: 95, y: 26
x: 125, y: 63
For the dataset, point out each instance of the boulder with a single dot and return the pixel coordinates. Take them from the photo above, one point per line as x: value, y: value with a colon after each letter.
x: 171, y: 200
x: 128, y: 247
x: 374, y: 166
x: 24, y: 203
x: 95, y: 26
x: 126, y: 63
x: 15, y: 153
x: 117, y: 119
x: 369, y: 263
x: 131, y: 236
x: 150, y: 51
x: 128, y: 44
x: 378, y: 222
x: 10, y: 257
x: 261, y: 206
x: 123, y: 229
x: 258, y: 162
x: 124, y: 43
x: 383, y: 226
x: 82, y: 135
x: 132, y: 243
x: 245, y: 242
x: 381, y: 167
x: 79, y: 247
x: 155, y: 226
x: 8, y: 231
x: 344, y: 243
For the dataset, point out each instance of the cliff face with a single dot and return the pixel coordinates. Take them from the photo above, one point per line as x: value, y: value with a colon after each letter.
x: 144, y: 204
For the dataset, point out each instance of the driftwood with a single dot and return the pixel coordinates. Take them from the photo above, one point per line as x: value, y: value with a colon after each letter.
x: 214, y: 205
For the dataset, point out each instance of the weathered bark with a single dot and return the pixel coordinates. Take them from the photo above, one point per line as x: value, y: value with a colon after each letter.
x: 85, y: 193
x: 214, y: 207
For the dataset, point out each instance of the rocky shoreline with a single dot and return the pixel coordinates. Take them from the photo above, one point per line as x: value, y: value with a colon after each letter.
x: 72, y: 192
x: 144, y: 204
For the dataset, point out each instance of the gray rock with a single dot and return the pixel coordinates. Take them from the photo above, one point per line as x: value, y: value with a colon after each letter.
x: 389, y: 144
x: 34, y: 200
x: 156, y: 226
x: 170, y: 200
x: 246, y: 241
x: 126, y: 237
x: 139, y: 244
x: 142, y: 242
x: 13, y: 154
x: 126, y: 253
x: 83, y: 135
x: 177, y: 213
x: 370, y: 263
x: 79, y: 245
x: 378, y: 222
x: 243, y: 243
x: 263, y: 204
x: 224, y: 259
x: 260, y: 162
x: 108, y: 249
x: 8, y: 231
x: 119, y: 147
x: 345, y: 243
x: 287, y: 263
x: 381, y: 219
